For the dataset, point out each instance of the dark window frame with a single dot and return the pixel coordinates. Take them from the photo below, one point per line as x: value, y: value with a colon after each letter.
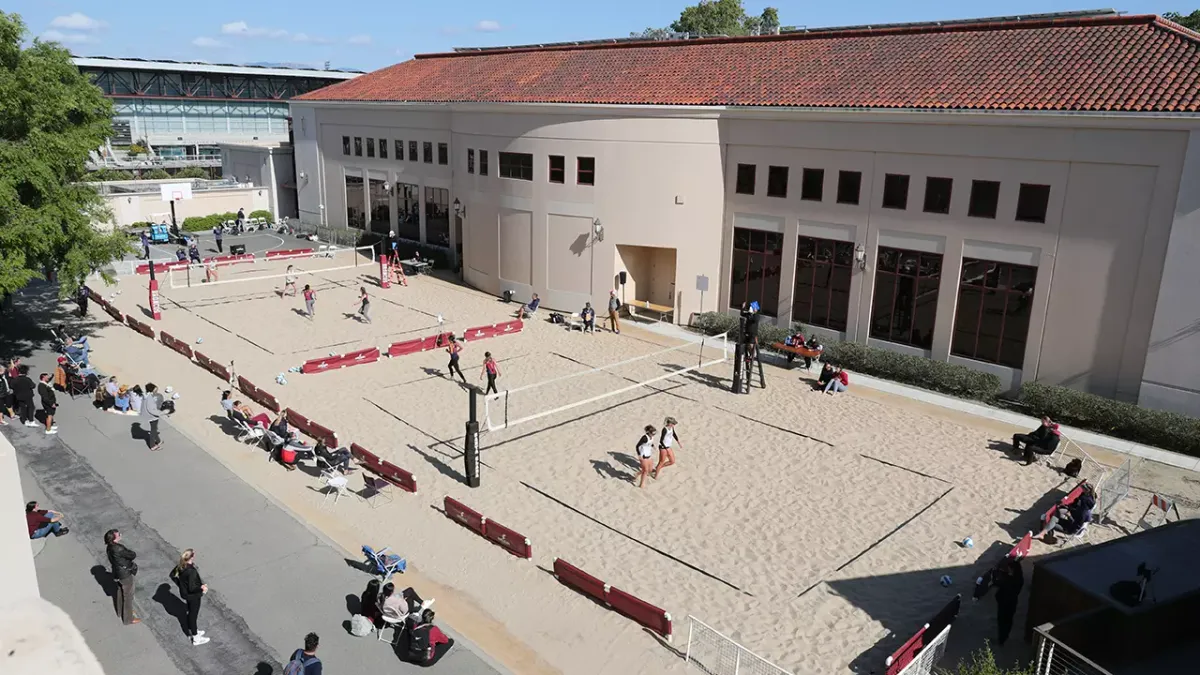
x: 934, y: 201
x: 483, y: 162
x: 845, y: 179
x: 516, y: 166
x: 893, y: 276
x: 427, y: 152
x: 895, y: 191
x: 839, y: 263
x: 1004, y: 288
x: 585, y: 175
x: 358, y: 145
x: 371, y: 147
x: 470, y: 160
x: 746, y: 180
x: 982, y: 190
x: 399, y: 150
x: 412, y: 152
x: 556, y: 174
x: 812, y: 185
x: 346, y: 145
x: 1042, y: 195
x: 769, y: 254
x: 443, y: 154
x: 383, y: 148
x: 774, y: 174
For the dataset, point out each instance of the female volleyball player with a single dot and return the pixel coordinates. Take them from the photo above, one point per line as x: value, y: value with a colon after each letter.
x: 310, y: 300
x: 645, y: 450
x: 492, y: 370
x: 289, y: 281
x: 453, y: 349
x: 364, y: 310
x: 666, y: 446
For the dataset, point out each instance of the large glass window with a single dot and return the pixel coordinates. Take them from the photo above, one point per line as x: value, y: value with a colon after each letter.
x: 356, y: 214
x: 412, y: 151
x: 443, y: 153
x: 408, y: 211
x: 992, y: 320
x: 437, y: 216
x: 906, y: 291
x: 483, y: 163
x: 383, y: 148
x: 822, y: 291
x: 756, y: 269
x: 381, y: 206
x: 518, y: 165
x: 427, y: 152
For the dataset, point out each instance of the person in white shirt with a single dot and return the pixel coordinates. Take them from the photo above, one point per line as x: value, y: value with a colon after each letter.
x: 667, y: 443
x: 645, y: 451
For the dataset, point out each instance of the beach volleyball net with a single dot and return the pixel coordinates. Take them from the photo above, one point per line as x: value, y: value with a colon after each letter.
x: 710, y: 651
x: 234, y: 270
x: 608, y: 384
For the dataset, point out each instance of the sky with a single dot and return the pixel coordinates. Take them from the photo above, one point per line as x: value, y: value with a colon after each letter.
x: 371, y: 34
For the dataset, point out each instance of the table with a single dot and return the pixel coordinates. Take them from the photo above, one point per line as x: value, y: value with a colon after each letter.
x: 416, y: 265
x: 662, y: 310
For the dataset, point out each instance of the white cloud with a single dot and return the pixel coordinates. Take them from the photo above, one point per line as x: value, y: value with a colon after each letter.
x: 488, y: 26
x: 313, y: 39
x: 77, y: 21
x: 360, y: 40
x: 245, y: 30
x: 207, y: 43
x: 67, y: 38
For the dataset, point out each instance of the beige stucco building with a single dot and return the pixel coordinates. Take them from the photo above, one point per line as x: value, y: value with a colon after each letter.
x: 1020, y: 197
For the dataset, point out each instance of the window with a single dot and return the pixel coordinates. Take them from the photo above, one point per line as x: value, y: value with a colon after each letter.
x: 412, y: 151
x: 992, y: 320
x: 427, y: 152
x: 399, y: 150
x: 1032, y: 203
x: 355, y: 201
x: 437, y: 216
x: 383, y: 148
x: 408, y: 211
x: 895, y: 191
x: 906, y: 291
x: 777, y: 179
x: 812, y: 185
x: 937, y: 194
x: 345, y: 145
x: 822, y: 290
x: 558, y: 169
x: 985, y: 195
x: 585, y: 170
x: 381, y: 205
x: 756, y: 269
x: 849, y: 186
x: 516, y: 165
x: 370, y: 147
x: 745, y: 179
x: 443, y: 153
x: 358, y: 146
x: 470, y: 160
x: 483, y: 170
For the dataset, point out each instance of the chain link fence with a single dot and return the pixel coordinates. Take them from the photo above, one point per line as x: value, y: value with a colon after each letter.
x: 713, y: 653
x: 1115, y: 488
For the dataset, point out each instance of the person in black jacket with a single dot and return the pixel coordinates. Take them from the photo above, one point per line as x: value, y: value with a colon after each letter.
x: 191, y: 588
x: 1043, y: 440
x: 6, y: 399
x: 1009, y: 579
x: 22, y: 389
x: 49, y: 402
x: 124, y: 569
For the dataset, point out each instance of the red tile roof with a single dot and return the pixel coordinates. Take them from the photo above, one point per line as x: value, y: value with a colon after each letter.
x: 1114, y: 63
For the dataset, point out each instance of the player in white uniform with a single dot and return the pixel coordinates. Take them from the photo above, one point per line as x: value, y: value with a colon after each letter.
x: 667, y: 443
x: 645, y: 450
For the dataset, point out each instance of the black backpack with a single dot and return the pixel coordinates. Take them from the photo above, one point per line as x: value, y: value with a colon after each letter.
x: 418, y: 644
x: 1073, y: 468
x: 555, y: 317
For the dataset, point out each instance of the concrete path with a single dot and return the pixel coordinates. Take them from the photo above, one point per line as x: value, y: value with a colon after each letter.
x: 272, y: 580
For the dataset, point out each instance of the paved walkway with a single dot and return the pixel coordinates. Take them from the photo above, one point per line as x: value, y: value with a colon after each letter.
x: 272, y: 580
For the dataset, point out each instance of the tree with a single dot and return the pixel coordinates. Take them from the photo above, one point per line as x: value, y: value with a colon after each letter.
x: 1191, y: 21
x: 51, y: 116
x: 191, y: 172
x: 156, y: 174
x: 716, y: 17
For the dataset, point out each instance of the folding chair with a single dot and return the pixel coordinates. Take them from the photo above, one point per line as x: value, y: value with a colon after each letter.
x: 274, y: 444
x: 335, y: 486
x: 248, y: 434
x: 382, y: 563
x: 376, y: 488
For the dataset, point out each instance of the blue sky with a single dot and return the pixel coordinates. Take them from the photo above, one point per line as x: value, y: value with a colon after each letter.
x: 369, y: 34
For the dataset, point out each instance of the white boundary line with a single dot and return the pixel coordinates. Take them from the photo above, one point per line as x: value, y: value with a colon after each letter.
x: 370, y: 254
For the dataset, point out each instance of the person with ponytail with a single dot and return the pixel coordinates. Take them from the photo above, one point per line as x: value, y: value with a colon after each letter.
x: 191, y: 588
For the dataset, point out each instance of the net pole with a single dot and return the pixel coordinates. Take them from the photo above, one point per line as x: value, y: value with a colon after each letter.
x: 471, y: 449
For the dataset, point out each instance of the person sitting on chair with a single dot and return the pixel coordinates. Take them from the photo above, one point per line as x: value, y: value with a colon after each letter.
x: 61, y: 376
x: 793, y: 340
x: 588, y: 315
x: 108, y: 394
x: 1072, y: 518
x: 338, y: 459
x: 247, y: 415
x: 194, y: 252
x: 813, y: 345
x: 531, y: 308
x: 1042, y: 441
x: 427, y: 644
x: 77, y: 349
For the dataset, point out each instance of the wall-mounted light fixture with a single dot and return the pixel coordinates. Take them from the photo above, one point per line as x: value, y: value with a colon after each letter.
x: 387, y: 187
x: 860, y: 256
x: 459, y: 209
x: 303, y: 176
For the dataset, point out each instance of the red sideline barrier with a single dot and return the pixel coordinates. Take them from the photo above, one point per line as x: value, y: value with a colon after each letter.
x: 289, y: 253
x: 94, y: 295
x: 419, y: 344
x: 468, y: 517
x: 341, y: 361
x: 140, y: 327
x: 114, y: 312
x: 515, y: 542
x: 398, y: 477
x: 315, y: 431
x: 494, y: 330
x: 573, y: 577
x: 176, y: 344
x: 159, y: 268
x: 366, y: 457
x: 225, y: 260
x: 1065, y: 501
x: 912, y: 648
x: 212, y: 366
x: 640, y: 611
x: 258, y: 395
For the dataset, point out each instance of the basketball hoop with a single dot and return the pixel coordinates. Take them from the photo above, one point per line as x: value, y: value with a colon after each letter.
x: 176, y: 196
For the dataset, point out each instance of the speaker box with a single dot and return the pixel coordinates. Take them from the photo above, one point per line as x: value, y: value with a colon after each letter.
x: 237, y: 249
x: 623, y: 277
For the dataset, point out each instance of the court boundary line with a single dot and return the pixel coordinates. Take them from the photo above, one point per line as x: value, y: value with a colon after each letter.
x: 904, y: 468
x: 388, y: 300
x: 210, y: 321
x: 896, y: 529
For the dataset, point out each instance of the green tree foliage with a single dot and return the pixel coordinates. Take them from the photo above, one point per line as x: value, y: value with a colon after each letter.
x: 716, y: 17
x: 1191, y: 21
x: 156, y: 174
x: 106, y: 174
x: 983, y: 662
x: 191, y: 172
x: 51, y: 116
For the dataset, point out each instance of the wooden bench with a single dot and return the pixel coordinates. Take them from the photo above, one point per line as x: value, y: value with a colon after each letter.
x: 797, y: 350
x: 662, y: 310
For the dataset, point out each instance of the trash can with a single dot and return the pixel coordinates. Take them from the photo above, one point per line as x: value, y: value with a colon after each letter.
x: 237, y: 249
x: 508, y: 295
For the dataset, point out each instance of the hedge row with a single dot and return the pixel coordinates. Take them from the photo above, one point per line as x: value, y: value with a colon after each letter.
x: 1166, y: 430
x: 202, y: 223
x: 919, y: 371
x: 715, y: 323
x: 262, y: 213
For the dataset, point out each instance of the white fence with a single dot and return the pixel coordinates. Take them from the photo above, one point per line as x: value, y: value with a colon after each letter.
x: 929, y: 656
x: 1055, y: 658
x: 713, y: 653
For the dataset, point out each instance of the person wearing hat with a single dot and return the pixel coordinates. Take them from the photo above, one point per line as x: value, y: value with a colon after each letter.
x: 614, y: 307
x: 667, y: 440
x: 60, y: 374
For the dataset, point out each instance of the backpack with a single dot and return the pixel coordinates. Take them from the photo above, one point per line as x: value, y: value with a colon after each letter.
x: 418, y: 644
x: 360, y: 626
x: 555, y: 317
x: 1073, y: 468
x: 297, y: 665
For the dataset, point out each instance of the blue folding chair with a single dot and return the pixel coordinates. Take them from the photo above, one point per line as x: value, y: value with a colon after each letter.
x: 383, y: 563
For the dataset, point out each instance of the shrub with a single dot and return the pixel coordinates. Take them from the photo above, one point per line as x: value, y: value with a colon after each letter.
x: 1166, y: 430
x: 919, y: 371
x: 202, y: 223
x: 715, y: 323
x: 191, y: 172
x: 137, y: 148
x: 155, y: 174
x: 106, y: 174
x: 983, y: 662
x: 262, y: 213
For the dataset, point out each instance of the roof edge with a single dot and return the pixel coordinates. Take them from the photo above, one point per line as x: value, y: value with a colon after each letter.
x: 914, y: 29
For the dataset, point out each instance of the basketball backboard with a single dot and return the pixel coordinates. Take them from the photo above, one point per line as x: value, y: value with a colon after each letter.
x: 174, y: 192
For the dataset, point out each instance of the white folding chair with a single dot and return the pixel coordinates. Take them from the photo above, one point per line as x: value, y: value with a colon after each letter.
x: 248, y: 434
x: 335, y: 486
x: 397, y: 625
x: 275, y: 443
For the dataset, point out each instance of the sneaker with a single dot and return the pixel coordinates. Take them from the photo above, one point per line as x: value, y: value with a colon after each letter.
x: 51, y: 432
x: 199, y: 640
x: 53, y: 426
x: 3, y: 422
x: 65, y: 530
x: 199, y: 633
x: 32, y: 424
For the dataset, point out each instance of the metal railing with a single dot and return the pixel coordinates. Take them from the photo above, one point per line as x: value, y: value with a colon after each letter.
x: 929, y: 656
x: 1115, y: 488
x: 1055, y: 658
x: 713, y: 653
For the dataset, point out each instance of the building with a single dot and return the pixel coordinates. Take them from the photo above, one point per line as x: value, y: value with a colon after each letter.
x: 1021, y: 196
x: 185, y: 109
x: 269, y: 165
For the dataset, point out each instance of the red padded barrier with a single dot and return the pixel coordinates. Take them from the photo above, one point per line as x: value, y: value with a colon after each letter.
x: 366, y: 457
x: 176, y: 344
x: 139, y: 327
x: 356, y: 358
x: 640, y: 611
x: 212, y: 366
x: 94, y: 295
x: 466, y: 516
x: 494, y: 330
x: 397, y: 476
x: 159, y: 268
x: 906, y: 653
x: 570, y: 575
x: 114, y: 312
x: 257, y: 395
x: 407, y: 347
x: 289, y: 253
x: 514, y: 541
x: 313, y: 430
x: 226, y: 260
x: 1065, y: 501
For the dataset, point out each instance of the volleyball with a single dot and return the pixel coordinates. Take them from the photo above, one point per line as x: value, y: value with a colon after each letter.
x: 968, y: 543
x: 946, y: 580
x: 199, y: 340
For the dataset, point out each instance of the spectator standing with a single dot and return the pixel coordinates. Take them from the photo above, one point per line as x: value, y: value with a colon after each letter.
x: 614, y: 308
x: 152, y: 410
x: 49, y: 402
x: 1008, y: 591
x: 23, y: 388
x: 6, y: 398
x: 82, y: 298
x: 145, y: 246
x: 218, y: 235
x: 241, y: 220
x: 305, y: 661
x: 124, y: 569
x: 192, y: 589
x: 43, y: 523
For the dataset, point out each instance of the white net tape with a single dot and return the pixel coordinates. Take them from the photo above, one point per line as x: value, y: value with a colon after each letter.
x: 499, y: 408
x: 262, y: 268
